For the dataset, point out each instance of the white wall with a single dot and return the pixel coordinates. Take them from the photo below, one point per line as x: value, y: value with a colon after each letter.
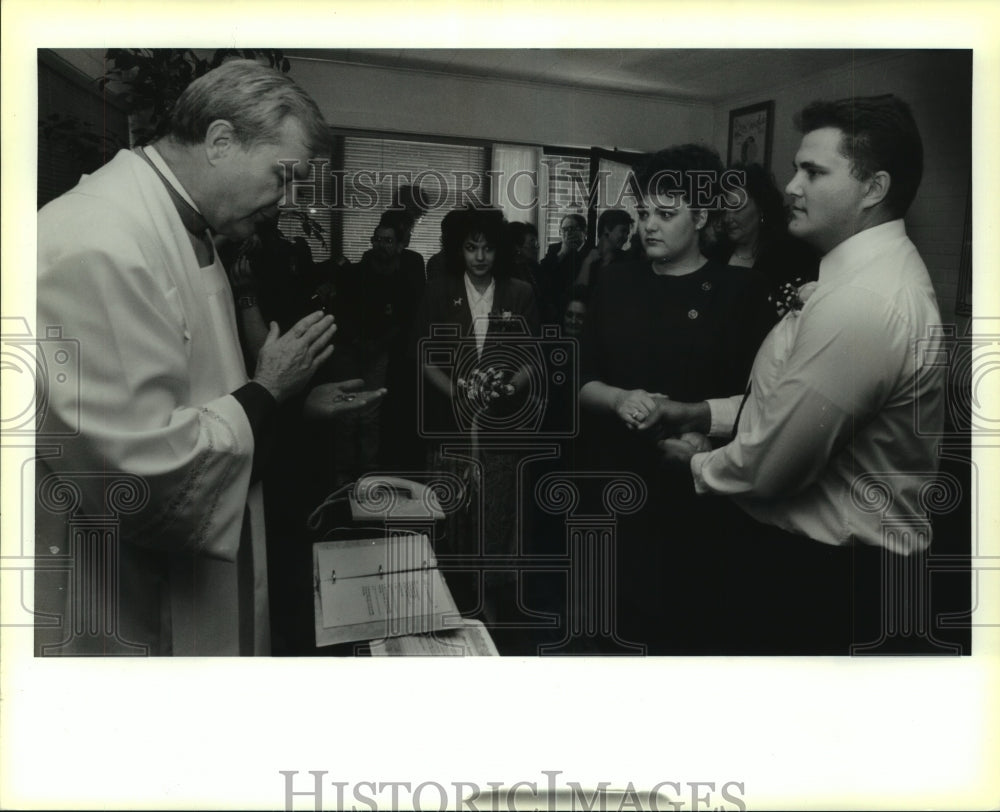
x: 937, y: 85
x: 438, y: 104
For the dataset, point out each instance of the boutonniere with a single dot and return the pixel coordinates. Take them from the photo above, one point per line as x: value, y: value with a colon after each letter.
x: 791, y: 297
x: 457, y: 302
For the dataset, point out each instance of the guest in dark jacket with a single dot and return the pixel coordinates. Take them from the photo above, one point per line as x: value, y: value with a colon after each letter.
x: 473, y: 386
x: 613, y: 229
x: 479, y: 300
x: 400, y: 447
x: 372, y: 306
x: 522, y: 240
x: 561, y: 266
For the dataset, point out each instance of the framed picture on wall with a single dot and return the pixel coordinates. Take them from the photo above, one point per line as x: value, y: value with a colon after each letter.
x: 750, y: 132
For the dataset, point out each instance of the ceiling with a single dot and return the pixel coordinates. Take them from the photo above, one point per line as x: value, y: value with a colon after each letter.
x: 707, y: 75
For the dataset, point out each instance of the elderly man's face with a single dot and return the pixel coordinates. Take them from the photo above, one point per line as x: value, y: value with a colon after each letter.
x: 572, y: 233
x: 251, y: 181
x: 385, y: 243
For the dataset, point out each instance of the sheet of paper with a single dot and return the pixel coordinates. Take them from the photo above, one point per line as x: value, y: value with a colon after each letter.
x: 375, y: 588
x: 371, y: 556
x: 391, y: 598
x: 471, y: 639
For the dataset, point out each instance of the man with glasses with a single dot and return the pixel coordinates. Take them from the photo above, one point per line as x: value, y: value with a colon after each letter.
x: 561, y: 266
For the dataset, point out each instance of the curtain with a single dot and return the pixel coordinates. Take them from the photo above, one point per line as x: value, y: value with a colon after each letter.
x: 515, y: 182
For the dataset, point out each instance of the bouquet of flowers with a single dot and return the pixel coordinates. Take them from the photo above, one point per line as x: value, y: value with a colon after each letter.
x: 482, y: 387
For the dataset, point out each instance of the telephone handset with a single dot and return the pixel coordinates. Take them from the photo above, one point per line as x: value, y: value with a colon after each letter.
x: 381, y: 497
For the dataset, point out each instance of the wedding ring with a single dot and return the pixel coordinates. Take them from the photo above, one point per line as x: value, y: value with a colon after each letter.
x: 635, y: 415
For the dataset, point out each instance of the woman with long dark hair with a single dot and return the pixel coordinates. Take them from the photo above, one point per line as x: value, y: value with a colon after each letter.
x: 755, y: 234
x: 474, y: 387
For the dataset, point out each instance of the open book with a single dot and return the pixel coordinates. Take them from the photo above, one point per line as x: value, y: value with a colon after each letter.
x: 370, y: 589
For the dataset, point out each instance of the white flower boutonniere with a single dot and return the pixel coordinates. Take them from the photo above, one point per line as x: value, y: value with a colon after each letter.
x: 792, y: 296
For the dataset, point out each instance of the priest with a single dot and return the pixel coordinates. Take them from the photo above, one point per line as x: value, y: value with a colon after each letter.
x: 165, y: 411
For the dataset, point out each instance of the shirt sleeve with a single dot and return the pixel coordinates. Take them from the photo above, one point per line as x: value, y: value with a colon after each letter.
x: 845, y: 358
x: 130, y: 413
x: 724, y: 411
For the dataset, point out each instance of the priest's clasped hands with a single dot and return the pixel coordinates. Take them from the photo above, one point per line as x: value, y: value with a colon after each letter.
x: 286, y: 363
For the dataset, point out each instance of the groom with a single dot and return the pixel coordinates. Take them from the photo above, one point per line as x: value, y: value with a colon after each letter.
x: 828, y: 418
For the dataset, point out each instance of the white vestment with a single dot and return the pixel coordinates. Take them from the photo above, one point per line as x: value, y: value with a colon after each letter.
x: 163, y: 452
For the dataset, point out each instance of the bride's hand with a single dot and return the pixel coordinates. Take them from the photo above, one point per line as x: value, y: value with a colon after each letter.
x: 634, y: 407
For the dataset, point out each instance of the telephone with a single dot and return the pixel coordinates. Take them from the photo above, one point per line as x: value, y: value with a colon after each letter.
x: 379, y: 497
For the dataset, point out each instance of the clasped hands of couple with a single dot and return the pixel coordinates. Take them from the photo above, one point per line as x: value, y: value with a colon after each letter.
x: 678, y: 429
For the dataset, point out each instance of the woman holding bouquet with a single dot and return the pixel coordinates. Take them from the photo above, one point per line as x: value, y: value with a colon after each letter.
x: 471, y: 331
x: 479, y: 303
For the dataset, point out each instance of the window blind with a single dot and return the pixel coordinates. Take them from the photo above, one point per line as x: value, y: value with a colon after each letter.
x: 448, y: 175
x: 80, y: 129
